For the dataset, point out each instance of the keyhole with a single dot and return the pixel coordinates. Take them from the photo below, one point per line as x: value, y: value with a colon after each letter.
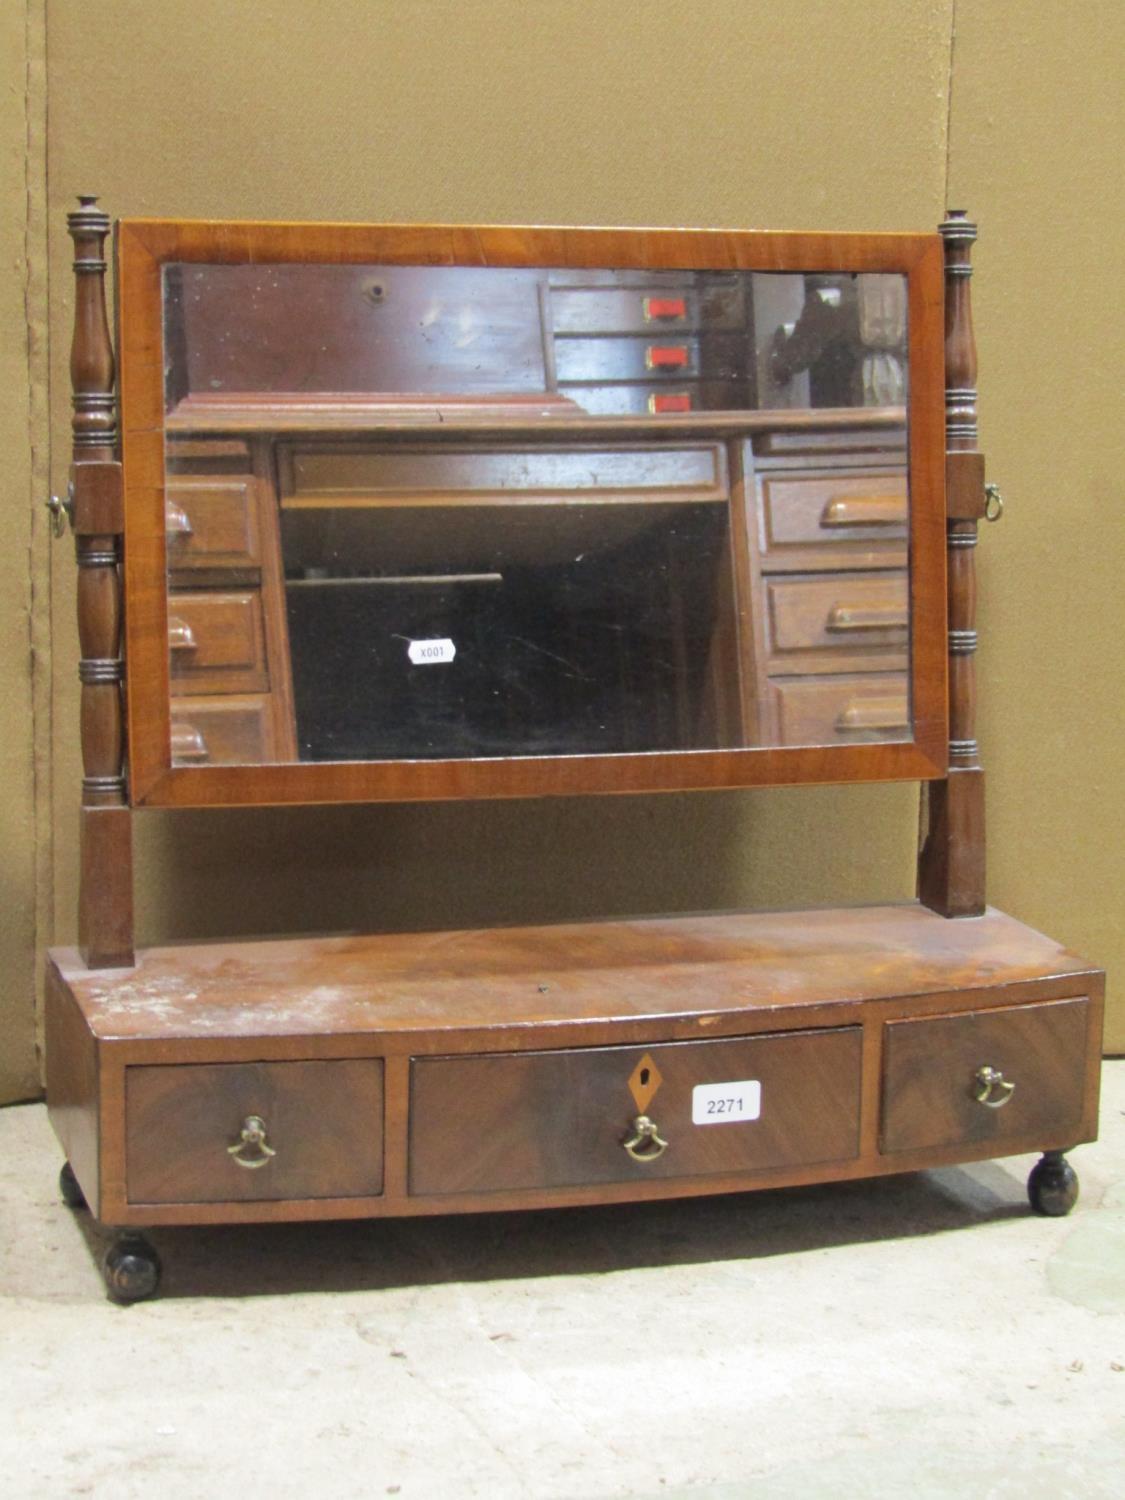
x: 644, y: 1077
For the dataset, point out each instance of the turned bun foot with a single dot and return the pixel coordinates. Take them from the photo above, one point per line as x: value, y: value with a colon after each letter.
x: 1052, y: 1187
x: 72, y: 1195
x: 132, y: 1269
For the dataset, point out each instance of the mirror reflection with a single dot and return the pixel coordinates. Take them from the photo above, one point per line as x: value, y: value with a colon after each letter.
x: 453, y: 512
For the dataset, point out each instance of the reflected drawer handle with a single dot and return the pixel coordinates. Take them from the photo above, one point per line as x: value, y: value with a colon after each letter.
x: 874, y: 713
x: 681, y: 401
x: 666, y: 357
x: 864, y: 510
x: 180, y: 636
x: 188, y: 743
x: 664, y: 307
x: 252, y: 1139
x: 867, y: 617
x: 176, y: 522
x: 645, y: 1143
x: 991, y: 1088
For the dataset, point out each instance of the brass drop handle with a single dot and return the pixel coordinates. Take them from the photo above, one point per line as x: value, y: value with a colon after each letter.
x: 991, y: 1088
x: 177, y: 522
x: 867, y: 617
x: 864, y: 510
x: 887, y: 713
x: 252, y: 1138
x: 645, y: 1143
x: 188, y: 743
x: 181, y: 637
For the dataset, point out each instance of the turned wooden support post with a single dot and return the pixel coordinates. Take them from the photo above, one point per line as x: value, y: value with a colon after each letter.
x: 951, y: 865
x: 105, y: 910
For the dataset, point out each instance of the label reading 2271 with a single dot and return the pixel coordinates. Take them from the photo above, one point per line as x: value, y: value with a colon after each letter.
x: 723, y: 1103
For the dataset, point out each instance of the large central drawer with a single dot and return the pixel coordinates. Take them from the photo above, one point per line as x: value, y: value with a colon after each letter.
x: 553, y: 1119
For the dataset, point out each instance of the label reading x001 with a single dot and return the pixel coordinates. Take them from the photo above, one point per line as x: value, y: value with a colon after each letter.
x: 430, y: 653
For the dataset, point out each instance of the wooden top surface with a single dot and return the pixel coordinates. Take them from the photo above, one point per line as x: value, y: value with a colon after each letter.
x: 542, y: 416
x: 544, y: 976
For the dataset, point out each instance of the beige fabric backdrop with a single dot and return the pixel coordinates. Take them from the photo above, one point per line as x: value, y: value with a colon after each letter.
x: 828, y: 113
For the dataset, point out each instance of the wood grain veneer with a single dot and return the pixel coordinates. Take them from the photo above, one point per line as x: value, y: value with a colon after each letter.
x: 735, y: 969
x: 555, y: 1119
x: 929, y: 1098
x: 324, y: 1122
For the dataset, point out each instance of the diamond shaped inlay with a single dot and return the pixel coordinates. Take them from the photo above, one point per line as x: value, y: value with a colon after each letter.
x: 644, y: 1081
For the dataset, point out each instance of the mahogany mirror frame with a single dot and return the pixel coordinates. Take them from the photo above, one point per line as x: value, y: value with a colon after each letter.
x: 144, y: 246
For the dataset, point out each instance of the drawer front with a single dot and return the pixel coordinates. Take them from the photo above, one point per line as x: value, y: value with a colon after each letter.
x: 237, y: 731
x: 869, y: 444
x: 555, y: 1119
x: 211, y: 524
x: 196, y: 456
x: 847, y: 515
x: 315, y: 328
x: 654, y: 358
x: 932, y: 1079
x: 216, y: 642
x: 643, y: 309
x: 660, y: 397
x: 846, y: 622
x: 322, y: 1122
x: 842, y: 710
x: 336, y: 474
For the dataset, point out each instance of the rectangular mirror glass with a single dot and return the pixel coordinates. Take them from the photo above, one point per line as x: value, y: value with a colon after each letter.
x: 463, y: 512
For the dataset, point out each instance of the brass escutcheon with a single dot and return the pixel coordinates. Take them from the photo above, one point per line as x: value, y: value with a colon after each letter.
x: 252, y: 1138
x: 988, y: 1080
x: 646, y: 1143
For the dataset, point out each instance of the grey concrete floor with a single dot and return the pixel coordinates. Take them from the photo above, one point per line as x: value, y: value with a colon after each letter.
x: 920, y: 1335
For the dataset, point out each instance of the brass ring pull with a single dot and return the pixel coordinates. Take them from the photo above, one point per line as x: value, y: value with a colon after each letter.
x: 252, y: 1138
x: 62, y: 511
x: 992, y: 1088
x: 646, y: 1143
x: 993, y: 502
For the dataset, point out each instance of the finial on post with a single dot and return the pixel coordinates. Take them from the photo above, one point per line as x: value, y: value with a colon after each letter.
x: 92, y: 371
x: 959, y: 234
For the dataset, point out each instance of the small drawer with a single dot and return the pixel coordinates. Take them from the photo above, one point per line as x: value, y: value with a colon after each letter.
x: 191, y: 1136
x: 847, y: 516
x: 607, y: 310
x: 216, y: 642
x: 211, y: 524
x: 653, y: 397
x: 848, y: 710
x: 889, y: 443
x: 568, y: 277
x: 936, y: 1091
x: 191, y: 455
x: 323, y: 476
x: 233, y: 731
x: 844, y: 622
x: 556, y: 1119
x: 651, y: 358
